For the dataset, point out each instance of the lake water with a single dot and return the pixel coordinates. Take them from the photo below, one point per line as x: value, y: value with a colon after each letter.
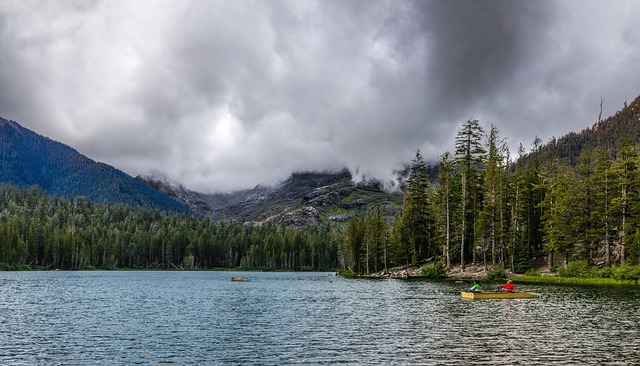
x: 152, y: 318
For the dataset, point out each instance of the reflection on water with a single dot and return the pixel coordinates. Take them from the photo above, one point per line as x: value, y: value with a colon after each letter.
x: 127, y: 318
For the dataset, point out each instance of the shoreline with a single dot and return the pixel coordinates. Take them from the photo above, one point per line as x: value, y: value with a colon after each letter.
x: 478, y: 272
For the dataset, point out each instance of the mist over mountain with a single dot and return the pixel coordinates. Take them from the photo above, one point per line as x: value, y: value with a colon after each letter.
x: 305, y: 198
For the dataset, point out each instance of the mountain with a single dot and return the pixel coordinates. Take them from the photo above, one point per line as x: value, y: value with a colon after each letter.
x: 28, y: 159
x: 303, y: 199
x: 608, y: 133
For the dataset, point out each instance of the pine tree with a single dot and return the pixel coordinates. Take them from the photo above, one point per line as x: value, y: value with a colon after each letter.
x: 529, y: 195
x: 376, y: 239
x: 490, y: 223
x: 584, y: 204
x: 558, y: 221
x: 626, y: 172
x: 469, y: 154
x: 353, y: 240
x: 446, y: 202
x: 602, y: 212
x: 416, y: 216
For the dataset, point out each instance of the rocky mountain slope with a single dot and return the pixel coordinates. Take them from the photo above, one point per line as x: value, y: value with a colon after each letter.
x: 302, y: 199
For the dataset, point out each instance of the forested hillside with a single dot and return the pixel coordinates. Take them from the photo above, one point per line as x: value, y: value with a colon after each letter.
x: 609, y: 134
x: 38, y: 231
x: 576, y: 199
x: 28, y: 159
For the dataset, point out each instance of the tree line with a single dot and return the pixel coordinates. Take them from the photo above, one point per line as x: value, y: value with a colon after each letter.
x: 487, y: 208
x: 41, y: 231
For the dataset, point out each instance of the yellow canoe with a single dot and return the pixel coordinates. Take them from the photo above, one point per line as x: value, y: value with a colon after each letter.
x: 525, y: 294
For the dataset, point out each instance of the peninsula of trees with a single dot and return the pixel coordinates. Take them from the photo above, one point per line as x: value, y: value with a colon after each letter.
x: 576, y: 199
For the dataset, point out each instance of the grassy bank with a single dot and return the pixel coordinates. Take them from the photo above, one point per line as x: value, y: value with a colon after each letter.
x: 581, y: 273
x: 557, y: 280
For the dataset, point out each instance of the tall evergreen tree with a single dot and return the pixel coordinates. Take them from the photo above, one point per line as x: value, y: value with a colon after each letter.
x: 446, y: 202
x: 469, y: 154
x: 626, y: 171
x: 602, y: 212
x: 490, y: 223
x: 558, y: 222
x: 376, y: 239
x: 530, y: 195
x: 416, y: 212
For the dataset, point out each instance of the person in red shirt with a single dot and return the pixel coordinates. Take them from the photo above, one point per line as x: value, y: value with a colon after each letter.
x: 508, y: 287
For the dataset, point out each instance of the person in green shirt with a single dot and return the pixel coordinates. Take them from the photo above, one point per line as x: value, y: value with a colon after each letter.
x: 477, y: 287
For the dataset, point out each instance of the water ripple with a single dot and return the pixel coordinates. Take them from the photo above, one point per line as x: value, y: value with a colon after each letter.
x: 153, y: 318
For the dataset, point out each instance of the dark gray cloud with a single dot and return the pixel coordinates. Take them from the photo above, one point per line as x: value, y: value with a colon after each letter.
x: 478, y: 47
x: 223, y: 95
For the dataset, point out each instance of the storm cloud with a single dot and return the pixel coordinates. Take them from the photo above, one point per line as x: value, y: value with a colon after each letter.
x: 225, y: 95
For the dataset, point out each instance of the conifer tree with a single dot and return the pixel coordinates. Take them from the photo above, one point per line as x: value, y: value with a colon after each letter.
x: 490, y: 223
x: 469, y: 154
x: 602, y: 212
x: 556, y: 220
x: 397, y: 251
x: 589, y: 211
x: 376, y: 239
x: 626, y: 172
x: 529, y: 195
x: 416, y: 220
x: 446, y: 203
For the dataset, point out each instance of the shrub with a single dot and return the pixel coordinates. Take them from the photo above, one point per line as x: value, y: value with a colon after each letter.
x: 344, y: 272
x: 532, y: 272
x: 626, y: 272
x: 433, y: 271
x: 576, y: 269
x: 496, y: 273
x: 605, y: 272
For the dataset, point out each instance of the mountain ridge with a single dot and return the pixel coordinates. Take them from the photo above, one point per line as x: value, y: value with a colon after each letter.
x: 30, y: 159
x: 305, y: 198
x: 607, y: 132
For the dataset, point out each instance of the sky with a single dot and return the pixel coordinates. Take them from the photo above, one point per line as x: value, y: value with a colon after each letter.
x: 224, y: 95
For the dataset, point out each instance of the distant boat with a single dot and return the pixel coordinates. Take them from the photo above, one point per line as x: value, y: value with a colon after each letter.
x: 524, y: 294
x: 239, y: 279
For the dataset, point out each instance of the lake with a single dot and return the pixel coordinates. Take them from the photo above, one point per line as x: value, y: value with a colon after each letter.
x: 184, y: 318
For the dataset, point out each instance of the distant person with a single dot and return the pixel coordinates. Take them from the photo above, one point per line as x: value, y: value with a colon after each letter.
x: 477, y: 287
x: 508, y: 287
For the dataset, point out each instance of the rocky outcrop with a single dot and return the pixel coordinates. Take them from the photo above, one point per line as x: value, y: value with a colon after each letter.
x: 304, y: 216
x: 339, y: 218
x: 470, y: 272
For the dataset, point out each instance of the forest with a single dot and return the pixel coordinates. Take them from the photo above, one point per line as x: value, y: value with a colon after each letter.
x: 575, y: 200
x: 38, y: 231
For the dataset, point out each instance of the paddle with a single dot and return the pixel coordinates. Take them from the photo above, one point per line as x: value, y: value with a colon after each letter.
x: 534, y: 292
